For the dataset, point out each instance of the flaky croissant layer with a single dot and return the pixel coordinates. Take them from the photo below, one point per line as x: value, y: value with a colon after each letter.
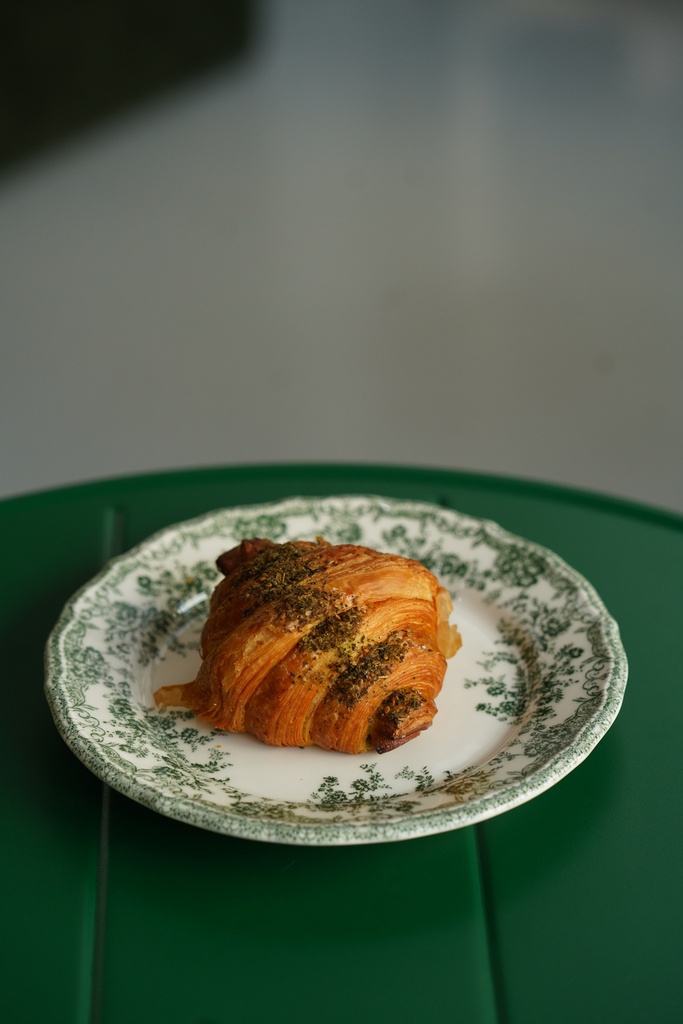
x: 310, y: 643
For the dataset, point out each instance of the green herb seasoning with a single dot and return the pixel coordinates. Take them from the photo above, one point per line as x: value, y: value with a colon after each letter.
x: 400, y: 704
x: 281, y: 575
x: 335, y: 632
x: 375, y: 661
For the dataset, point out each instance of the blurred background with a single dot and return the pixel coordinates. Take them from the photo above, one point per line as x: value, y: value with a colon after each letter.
x: 436, y: 233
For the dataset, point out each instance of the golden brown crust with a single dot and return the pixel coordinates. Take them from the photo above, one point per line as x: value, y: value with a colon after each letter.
x: 311, y: 643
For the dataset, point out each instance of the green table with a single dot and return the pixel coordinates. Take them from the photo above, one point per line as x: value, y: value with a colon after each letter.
x: 567, y: 909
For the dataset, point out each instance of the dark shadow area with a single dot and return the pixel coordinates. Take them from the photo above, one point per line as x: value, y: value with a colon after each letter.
x: 68, y: 64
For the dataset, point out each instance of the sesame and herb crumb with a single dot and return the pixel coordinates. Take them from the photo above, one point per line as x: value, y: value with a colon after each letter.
x: 335, y: 632
x: 375, y: 661
x: 282, y: 575
x: 400, y: 704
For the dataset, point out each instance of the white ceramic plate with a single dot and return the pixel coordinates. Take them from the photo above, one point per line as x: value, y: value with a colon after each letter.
x: 538, y: 682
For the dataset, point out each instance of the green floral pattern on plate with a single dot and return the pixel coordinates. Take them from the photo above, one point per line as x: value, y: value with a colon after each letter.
x: 538, y: 682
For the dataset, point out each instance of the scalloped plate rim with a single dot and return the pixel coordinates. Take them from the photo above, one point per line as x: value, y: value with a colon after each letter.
x: 413, y: 824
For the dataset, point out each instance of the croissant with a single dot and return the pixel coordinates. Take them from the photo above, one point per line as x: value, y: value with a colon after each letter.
x: 309, y: 643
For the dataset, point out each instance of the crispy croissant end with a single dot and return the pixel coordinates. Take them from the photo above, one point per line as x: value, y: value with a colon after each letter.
x: 308, y: 643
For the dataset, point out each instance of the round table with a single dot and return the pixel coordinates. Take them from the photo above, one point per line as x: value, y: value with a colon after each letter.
x: 565, y: 909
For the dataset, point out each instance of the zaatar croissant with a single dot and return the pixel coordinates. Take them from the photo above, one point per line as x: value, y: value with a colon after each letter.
x: 309, y: 643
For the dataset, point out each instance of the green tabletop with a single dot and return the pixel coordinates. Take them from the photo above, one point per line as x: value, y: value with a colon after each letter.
x: 567, y: 909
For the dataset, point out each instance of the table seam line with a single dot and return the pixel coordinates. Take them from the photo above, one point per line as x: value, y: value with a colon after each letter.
x: 486, y: 905
x: 112, y: 545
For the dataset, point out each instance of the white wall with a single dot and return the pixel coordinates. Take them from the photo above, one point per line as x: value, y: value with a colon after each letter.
x: 437, y: 233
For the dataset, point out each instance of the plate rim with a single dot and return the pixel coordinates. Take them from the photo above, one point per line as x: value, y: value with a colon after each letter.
x: 326, y: 833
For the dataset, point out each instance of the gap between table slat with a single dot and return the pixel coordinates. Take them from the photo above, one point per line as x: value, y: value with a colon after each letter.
x: 112, y: 544
x: 486, y: 903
